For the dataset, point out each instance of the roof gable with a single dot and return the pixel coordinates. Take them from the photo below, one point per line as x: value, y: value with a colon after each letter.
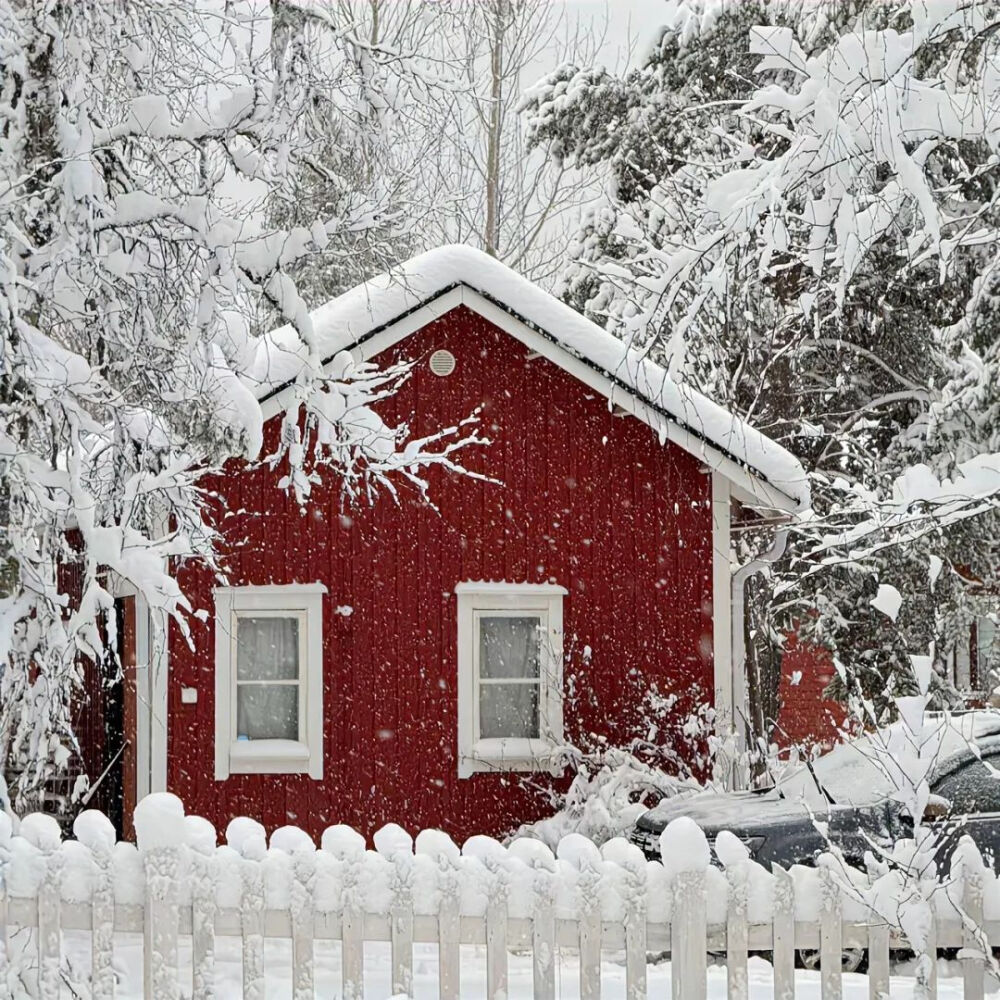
x: 372, y: 317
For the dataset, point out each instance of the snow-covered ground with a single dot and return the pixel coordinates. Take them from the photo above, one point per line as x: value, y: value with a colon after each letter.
x: 378, y: 987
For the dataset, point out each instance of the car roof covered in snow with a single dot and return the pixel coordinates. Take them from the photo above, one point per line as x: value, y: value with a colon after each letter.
x: 356, y: 317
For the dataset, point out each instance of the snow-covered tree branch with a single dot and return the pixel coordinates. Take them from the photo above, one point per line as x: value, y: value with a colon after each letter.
x: 802, y: 221
x: 140, y: 146
x: 878, y: 145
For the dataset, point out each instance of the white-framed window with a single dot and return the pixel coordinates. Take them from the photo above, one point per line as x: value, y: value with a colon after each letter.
x: 269, y: 680
x: 509, y: 676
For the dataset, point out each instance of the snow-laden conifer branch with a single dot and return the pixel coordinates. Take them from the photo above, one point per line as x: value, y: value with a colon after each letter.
x: 802, y: 220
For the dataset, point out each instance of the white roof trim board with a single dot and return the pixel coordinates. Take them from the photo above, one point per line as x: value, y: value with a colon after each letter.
x: 379, y: 313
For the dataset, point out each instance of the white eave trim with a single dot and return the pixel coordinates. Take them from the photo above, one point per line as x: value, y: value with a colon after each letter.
x: 763, y: 493
x: 722, y: 609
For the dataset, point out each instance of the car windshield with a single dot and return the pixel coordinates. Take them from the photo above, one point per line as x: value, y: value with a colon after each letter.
x: 851, y: 773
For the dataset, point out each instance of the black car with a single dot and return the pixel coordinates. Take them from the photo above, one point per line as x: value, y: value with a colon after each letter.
x: 849, y: 793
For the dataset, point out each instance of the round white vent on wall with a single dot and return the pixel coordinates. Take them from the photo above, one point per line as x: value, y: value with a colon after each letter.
x: 442, y: 363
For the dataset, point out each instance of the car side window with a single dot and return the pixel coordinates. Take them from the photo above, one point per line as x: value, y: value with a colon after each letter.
x: 972, y: 788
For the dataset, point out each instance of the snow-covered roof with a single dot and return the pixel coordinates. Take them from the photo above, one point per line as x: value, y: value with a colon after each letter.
x: 360, y: 315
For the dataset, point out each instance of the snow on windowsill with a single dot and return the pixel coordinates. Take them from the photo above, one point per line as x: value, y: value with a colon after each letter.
x: 510, y: 755
x: 268, y: 757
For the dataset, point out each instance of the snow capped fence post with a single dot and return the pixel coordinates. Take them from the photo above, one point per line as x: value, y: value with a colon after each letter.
x: 974, y: 941
x: 493, y: 856
x: 159, y: 828
x: 43, y: 832
x: 831, y: 932
x: 635, y: 925
x: 783, y: 939
x: 496, y: 937
x: 303, y: 927
x: 348, y: 847
x: 686, y: 855
x: 246, y: 836
x: 735, y: 858
x: 585, y: 857
x: 204, y: 876
x: 540, y: 859
x: 96, y: 832
x: 299, y: 845
x: 396, y: 846
x: 445, y: 853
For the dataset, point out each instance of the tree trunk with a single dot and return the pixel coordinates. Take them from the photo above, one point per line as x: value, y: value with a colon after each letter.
x: 491, y: 235
x: 763, y: 668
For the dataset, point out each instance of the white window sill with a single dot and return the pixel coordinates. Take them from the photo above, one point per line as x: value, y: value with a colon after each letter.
x: 510, y: 755
x: 268, y: 757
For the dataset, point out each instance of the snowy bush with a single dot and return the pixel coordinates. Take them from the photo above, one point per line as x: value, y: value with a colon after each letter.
x: 609, y: 791
x: 613, y: 785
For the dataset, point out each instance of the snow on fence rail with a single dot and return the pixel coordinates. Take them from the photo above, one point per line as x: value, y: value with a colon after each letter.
x: 178, y: 883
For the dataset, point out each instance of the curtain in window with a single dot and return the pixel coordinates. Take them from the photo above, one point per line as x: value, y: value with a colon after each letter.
x: 267, y: 672
x: 267, y: 649
x: 509, y: 661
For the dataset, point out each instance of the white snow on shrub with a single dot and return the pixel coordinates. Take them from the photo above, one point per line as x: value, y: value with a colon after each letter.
x: 888, y: 600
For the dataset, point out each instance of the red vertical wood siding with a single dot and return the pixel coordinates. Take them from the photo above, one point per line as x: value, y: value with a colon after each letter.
x: 806, y: 717
x: 587, y: 500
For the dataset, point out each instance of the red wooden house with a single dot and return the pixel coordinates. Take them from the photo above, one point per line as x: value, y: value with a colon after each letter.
x: 404, y: 663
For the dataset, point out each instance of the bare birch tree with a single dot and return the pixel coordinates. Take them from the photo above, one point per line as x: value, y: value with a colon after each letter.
x: 379, y: 87
x: 510, y: 200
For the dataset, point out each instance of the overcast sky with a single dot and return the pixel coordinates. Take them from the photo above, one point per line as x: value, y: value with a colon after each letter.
x: 631, y: 25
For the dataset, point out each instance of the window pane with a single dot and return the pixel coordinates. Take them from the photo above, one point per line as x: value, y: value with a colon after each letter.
x: 986, y: 631
x: 267, y: 711
x: 267, y: 649
x: 509, y: 647
x: 508, y: 710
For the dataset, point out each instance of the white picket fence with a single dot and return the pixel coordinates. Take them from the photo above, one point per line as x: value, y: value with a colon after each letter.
x: 177, y: 883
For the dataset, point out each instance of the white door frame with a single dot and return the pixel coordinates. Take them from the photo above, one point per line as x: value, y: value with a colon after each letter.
x: 159, y: 661
x: 726, y: 685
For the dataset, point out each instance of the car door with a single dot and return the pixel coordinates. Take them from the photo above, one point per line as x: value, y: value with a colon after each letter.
x: 973, y: 794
